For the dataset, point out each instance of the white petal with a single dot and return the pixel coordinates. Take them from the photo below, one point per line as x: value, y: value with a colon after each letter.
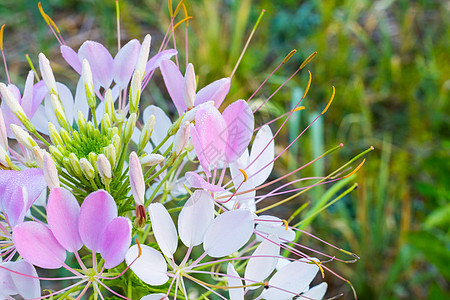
x: 262, y: 155
x: 270, y: 224
x: 150, y: 267
x: 162, y: 125
x: 155, y: 297
x: 81, y: 100
x: 259, y: 267
x: 234, y: 280
x: 164, y: 229
x: 317, y: 292
x: 195, y: 217
x: 291, y: 280
x: 228, y: 232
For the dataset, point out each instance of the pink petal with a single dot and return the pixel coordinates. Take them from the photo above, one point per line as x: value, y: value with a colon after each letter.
x: 174, y: 83
x: 15, y: 209
x: 100, y: 61
x: 236, y: 293
x: 215, y: 91
x: 115, y: 241
x: 196, y: 181
x: 240, y: 123
x: 97, y: 211
x: 71, y: 58
x: 228, y: 232
x: 125, y: 62
x: 195, y: 217
x: 36, y: 244
x: 39, y: 92
x: 263, y: 261
x: 199, y: 150
x: 150, y: 267
x: 63, y: 212
x: 164, y: 229
x: 212, y: 131
x: 156, y: 60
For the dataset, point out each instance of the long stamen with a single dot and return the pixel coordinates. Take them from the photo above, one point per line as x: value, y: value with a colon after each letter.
x: 3, y: 52
x: 118, y: 24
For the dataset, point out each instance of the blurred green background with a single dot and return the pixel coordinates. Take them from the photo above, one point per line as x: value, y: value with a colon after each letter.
x: 390, y: 64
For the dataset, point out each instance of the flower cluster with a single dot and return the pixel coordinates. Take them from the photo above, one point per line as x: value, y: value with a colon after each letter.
x: 82, y: 174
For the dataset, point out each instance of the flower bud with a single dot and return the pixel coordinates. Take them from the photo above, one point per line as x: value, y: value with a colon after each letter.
x: 190, y: 86
x: 141, y: 216
x: 146, y: 132
x: 39, y: 156
x: 135, y: 91
x: 181, y: 138
x: 75, y: 164
x: 111, y: 154
x: 86, y: 73
x: 3, y: 134
x: 76, y: 138
x: 129, y: 128
x: 59, y: 112
x: 137, y: 182
x: 55, y: 137
x: 50, y: 172
x: 141, y: 62
x: 23, y: 137
x: 47, y: 74
x: 65, y: 136
x: 82, y: 124
x: 117, y: 143
x: 56, y: 153
x: 87, y: 169
x: 4, y: 158
x: 106, y: 123
x: 104, y: 169
x: 109, y: 104
x: 12, y: 102
x: 93, y: 160
x: 151, y: 159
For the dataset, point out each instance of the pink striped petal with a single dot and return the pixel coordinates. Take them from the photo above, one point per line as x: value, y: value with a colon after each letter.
x: 115, y: 241
x: 125, y: 62
x: 240, y: 123
x: 199, y: 150
x: 36, y: 244
x: 213, y: 133
x: 100, y: 61
x: 156, y: 60
x: 215, y: 91
x: 63, y: 212
x: 196, y: 181
x: 174, y: 81
x: 97, y: 211
x: 228, y: 232
x: 71, y: 58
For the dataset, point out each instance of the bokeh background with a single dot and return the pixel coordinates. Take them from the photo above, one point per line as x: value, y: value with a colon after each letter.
x: 390, y: 63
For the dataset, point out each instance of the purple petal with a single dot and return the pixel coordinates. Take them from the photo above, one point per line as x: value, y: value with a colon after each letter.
x: 199, y: 150
x: 100, y: 61
x: 196, y: 181
x: 240, y: 123
x: 15, y: 209
x: 174, y: 81
x: 156, y: 60
x: 125, y: 62
x: 63, y: 212
x: 115, y: 241
x: 71, y: 58
x: 5, y: 175
x: 213, y: 133
x: 215, y: 91
x: 97, y: 211
x: 37, y: 245
x: 39, y: 92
